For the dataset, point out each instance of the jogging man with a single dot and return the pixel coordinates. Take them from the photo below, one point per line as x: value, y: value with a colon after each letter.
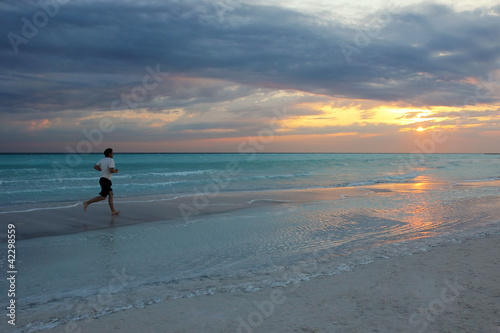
x: 107, y: 168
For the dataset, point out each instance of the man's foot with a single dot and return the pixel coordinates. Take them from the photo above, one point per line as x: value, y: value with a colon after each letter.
x: 116, y: 212
x: 85, y: 205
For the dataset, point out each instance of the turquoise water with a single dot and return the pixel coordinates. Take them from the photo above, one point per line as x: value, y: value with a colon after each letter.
x: 50, y: 178
x: 405, y: 204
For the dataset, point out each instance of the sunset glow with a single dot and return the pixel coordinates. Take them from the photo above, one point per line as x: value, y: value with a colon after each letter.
x: 307, y: 78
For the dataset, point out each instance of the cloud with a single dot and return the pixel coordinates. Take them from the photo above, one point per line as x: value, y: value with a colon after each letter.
x: 225, y: 64
x: 413, y: 52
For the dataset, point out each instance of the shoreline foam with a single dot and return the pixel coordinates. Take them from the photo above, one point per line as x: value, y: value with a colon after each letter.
x: 361, y: 267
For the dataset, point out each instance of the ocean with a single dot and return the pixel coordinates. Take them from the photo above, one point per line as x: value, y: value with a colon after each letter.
x: 27, y: 179
x: 199, y: 224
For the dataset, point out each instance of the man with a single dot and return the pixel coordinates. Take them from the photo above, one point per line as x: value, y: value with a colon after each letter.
x: 107, y: 168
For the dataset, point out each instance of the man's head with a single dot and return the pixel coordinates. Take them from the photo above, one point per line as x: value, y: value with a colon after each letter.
x: 108, y: 152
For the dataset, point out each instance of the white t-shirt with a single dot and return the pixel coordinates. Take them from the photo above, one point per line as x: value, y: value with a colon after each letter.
x: 105, y: 164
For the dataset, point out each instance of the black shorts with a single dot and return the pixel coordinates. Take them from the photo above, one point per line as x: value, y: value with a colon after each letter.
x: 105, y: 186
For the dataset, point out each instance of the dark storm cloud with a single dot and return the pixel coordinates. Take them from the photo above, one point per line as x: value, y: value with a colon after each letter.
x: 91, y: 52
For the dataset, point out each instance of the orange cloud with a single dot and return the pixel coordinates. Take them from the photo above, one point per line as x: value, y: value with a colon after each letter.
x: 39, y: 124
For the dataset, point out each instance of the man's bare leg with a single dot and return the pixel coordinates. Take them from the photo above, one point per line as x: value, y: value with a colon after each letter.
x: 110, y: 201
x: 96, y: 199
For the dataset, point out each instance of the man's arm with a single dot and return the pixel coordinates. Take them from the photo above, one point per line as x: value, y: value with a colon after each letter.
x: 98, y: 168
x: 113, y: 170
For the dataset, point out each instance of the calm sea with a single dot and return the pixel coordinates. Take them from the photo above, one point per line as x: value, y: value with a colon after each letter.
x: 51, y: 178
x: 408, y: 204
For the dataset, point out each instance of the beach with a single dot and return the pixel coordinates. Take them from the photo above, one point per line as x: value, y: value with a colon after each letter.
x: 455, y: 288
x: 292, y: 242
x: 250, y: 166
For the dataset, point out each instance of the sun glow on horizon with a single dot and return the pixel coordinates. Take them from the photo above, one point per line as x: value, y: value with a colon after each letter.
x: 344, y: 113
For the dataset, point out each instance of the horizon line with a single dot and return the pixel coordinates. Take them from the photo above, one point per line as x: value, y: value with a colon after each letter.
x: 153, y: 152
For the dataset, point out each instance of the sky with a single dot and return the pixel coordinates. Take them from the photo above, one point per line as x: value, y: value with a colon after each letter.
x: 250, y: 76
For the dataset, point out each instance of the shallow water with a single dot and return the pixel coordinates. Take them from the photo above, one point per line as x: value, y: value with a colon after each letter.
x: 97, y: 272
x: 34, y: 179
x: 244, y: 250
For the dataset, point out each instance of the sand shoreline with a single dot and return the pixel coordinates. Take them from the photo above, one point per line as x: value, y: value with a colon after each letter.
x: 454, y: 288
x: 69, y: 217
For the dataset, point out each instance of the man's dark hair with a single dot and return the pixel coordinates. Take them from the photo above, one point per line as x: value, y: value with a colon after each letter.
x: 108, y: 152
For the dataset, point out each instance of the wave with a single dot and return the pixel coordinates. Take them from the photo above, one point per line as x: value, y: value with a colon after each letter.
x: 181, y: 173
x: 154, y: 184
x: 388, y: 180
x: 40, y: 208
x: 267, y: 200
x: 405, y: 176
x: 294, y: 175
x: 30, y: 181
x: 49, y: 189
x: 93, y: 176
x: 189, y: 188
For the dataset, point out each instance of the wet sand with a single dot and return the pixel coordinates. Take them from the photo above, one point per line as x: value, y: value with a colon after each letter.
x: 69, y: 217
x: 72, y: 219
x: 455, y: 288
